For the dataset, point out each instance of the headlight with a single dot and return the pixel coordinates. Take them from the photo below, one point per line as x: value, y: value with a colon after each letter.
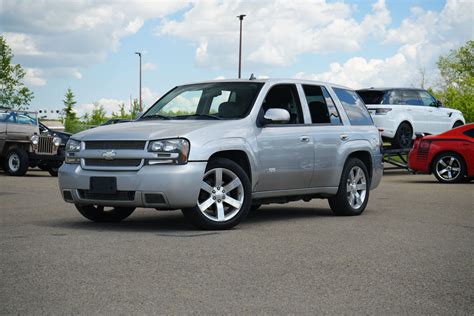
x: 169, y: 151
x: 56, y: 141
x: 72, y: 147
x: 35, y: 139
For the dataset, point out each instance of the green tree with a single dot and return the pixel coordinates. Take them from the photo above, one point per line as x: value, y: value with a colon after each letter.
x: 13, y: 92
x: 135, y: 109
x: 98, y: 115
x: 457, y: 74
x: 70, y: 117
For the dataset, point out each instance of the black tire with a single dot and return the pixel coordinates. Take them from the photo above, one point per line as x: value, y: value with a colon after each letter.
x: 98, y: 213
x: 43, y: 167
x: 457, y: 124
x: 16, y: 162
x: 403, y: 137
x: 196, y: 216
x: 53, y: 171
x: 255, y: 207
x: 455, y: 171
x: 340, y: 202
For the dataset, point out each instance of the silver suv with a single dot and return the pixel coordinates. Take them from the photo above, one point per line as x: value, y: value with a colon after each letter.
x: 218, y: 149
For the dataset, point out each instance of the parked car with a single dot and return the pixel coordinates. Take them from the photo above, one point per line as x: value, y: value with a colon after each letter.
x: 402, y: 112
x: 449, y: 156
x: 22, y: 145
x: 217, y: 149
x: 48, y: 164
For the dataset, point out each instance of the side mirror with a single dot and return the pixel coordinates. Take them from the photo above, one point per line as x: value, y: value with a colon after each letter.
x: 438, y: 104
x: 276, y: 116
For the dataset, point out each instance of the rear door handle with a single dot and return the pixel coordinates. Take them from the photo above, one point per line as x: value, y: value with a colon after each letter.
x: 304, y: 139
x: 344, y: 137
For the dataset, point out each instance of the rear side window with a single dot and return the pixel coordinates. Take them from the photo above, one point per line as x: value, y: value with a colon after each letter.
x: 469, y: 132
x: 406, y: 97
x: 354, y: 107
x: 321, y: 106
x: 372, y: 96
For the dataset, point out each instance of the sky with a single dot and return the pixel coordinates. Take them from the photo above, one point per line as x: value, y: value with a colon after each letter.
x: 89, y: 46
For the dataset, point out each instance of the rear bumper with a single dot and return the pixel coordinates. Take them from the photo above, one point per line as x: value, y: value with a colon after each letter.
x: 388, y: 125
x: 171, y: 186
x: 377, y: 171
x: 416, y: 164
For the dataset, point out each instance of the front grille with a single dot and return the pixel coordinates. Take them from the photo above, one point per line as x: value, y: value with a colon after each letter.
x: 118, y: 196
x: 45, y: 145
x: 113, y: 144
x: 93, y: 162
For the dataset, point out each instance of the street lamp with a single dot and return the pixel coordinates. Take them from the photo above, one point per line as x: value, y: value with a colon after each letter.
x: 140, y: 86
x: 241, y: 18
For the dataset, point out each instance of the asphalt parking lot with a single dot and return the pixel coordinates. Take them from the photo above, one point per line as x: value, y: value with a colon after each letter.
x: 411, y: 252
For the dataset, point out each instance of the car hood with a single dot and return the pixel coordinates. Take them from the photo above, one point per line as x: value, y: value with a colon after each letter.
x: 146, y: 130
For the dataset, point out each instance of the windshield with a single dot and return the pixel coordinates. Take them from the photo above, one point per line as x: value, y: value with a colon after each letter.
x: 208, y: 101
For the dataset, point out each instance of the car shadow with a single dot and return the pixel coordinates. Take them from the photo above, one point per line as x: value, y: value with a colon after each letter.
x: 174, y: 223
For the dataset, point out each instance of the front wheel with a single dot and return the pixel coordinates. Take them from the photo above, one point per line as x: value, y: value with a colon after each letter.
x: 97, y: 213
x: 53, y: 171
x: 224, y: 199
x: 353, y: 193
x: 16, y: 162
x: 449, y: 168
x: 457, y: 124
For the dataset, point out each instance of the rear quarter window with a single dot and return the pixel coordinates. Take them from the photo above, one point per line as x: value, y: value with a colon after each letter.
x: 469, y: 133
x: 354, y: 107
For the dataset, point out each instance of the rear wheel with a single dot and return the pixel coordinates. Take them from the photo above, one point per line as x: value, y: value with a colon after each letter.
x: 403, y: 136
x: 353, y: 193
x: 224, y: 199
x: 16, y: 162
x: 449, y: 168
x: 97, y: 213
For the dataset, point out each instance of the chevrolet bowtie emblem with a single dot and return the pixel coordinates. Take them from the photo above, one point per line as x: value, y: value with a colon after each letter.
x: 109, y: 155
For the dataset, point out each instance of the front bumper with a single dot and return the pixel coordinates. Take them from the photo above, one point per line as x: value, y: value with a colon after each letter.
x: 377, y: 171
x: 177, y: 186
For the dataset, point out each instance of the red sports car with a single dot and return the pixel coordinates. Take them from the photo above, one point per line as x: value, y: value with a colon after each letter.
x: 450, y: 155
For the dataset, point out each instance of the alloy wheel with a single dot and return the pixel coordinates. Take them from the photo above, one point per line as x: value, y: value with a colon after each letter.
x: 448, y: 168
x: 221, y: 196
x: 356, y: 187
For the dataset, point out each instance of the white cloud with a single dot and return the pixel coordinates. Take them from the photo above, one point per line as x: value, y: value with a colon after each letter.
x: 34, y: 77
x: 110, y: 105
x: 149, y: 66
x: 149, y: 97
x: 423, y: 36
x: 74, y: 34
x: 275, y: 32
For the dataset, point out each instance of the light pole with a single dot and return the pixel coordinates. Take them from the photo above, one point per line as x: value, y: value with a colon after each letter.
x: 241, y: 18
x: 140, y: 85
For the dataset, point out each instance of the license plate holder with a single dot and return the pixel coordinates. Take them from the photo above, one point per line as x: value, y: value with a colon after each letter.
x: 103, y: 185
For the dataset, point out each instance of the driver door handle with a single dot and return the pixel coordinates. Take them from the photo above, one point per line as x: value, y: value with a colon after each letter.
x: 304, y: 139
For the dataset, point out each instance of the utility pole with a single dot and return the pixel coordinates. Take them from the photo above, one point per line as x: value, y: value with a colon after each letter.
x: 140, y: 85
x: 241, y: 18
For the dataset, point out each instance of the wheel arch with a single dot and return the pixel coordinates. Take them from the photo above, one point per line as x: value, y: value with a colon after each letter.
x: 240, y: 157
x: 365, y: 157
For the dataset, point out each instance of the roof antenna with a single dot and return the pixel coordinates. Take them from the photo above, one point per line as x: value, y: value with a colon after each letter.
x: 252, y: 77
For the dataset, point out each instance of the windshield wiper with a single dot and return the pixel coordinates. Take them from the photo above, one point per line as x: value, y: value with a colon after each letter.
x: 155, y: 116
x: 214, y: 117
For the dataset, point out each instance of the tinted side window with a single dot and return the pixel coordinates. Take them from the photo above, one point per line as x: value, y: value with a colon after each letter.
x: 321, y: 106
x: 354, y: 107
x: 407, y: 97
x: 285, y: 97
x: 427, y: 98
x: 469, y: 132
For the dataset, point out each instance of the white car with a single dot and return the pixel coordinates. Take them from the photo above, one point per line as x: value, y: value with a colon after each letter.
x: 400, y: 113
